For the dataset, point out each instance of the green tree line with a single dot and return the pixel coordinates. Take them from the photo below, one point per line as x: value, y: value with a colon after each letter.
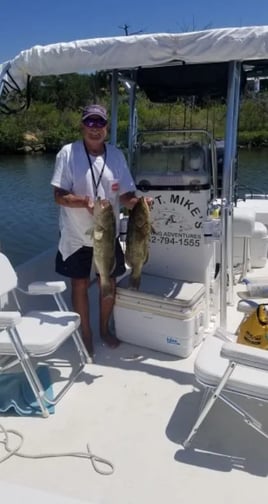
x: 53, y: 117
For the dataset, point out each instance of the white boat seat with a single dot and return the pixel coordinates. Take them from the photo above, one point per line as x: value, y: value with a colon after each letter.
x: 41, y: 332
x: 258, y: 246
x: 243, y: 222
x: 243, y: 227
x: 260, y: 207
x: 36, y: 333
x: 210, y: 366
x: 228, y: 370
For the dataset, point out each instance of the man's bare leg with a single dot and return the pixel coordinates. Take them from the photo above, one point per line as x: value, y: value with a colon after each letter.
x: 106, y: 308
x: 80, y: 302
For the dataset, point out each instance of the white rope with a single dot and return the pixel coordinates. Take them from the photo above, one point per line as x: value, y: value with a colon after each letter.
x: 94, y: 459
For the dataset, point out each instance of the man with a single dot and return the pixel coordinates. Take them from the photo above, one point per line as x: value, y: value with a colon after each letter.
x: 85, y: 170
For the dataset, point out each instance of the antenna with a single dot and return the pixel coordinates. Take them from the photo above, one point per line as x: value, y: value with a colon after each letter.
x: 126, y: 27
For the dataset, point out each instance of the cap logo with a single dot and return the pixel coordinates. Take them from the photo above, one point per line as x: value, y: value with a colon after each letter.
x: 94, y: 110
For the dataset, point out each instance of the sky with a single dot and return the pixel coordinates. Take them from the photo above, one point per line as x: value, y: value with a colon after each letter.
x: 26, y: 23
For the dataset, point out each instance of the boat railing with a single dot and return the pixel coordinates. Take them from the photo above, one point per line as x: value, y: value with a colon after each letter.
x: 245, y: 192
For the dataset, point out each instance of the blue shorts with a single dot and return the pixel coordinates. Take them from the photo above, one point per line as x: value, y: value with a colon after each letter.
x: 78, y: 265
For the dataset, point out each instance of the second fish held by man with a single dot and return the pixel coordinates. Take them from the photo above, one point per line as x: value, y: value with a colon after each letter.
x: 137, y: 241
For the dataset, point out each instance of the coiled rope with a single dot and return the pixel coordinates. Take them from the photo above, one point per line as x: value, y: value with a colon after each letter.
x: 11, y: 452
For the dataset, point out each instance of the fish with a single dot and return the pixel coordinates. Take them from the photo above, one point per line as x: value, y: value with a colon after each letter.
x: 104, y: 236
x: 137, y: 241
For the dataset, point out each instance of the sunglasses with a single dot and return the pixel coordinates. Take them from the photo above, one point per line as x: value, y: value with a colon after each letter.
x: 95, y: 123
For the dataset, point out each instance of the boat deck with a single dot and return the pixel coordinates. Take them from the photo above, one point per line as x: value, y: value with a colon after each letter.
x: 134, y: 407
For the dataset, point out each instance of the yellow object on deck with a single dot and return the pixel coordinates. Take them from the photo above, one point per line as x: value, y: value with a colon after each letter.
x: 253, y: 330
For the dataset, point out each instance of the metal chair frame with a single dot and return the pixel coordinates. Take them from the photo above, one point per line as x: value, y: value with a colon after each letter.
x: 238, y: 355
x: 10, y: 321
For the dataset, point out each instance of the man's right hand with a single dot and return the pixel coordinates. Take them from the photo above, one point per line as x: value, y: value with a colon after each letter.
x: 89, y: 204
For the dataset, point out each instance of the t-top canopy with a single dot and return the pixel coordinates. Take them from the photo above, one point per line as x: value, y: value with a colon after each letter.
x: 136, y: 51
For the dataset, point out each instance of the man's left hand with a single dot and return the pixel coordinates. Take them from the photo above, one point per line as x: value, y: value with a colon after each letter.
x: 149, y: 201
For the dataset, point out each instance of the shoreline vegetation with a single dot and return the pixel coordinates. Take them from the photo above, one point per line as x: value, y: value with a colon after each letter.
x: 53, y: 118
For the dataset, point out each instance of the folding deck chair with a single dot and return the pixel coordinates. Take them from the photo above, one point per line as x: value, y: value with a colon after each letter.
x: 36, y: 333
x: 230, y: 369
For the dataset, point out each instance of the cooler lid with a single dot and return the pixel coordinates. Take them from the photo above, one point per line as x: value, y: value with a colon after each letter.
x: 169, y: 290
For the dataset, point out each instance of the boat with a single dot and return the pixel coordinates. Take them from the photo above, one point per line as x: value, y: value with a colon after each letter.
x: 136, y: 406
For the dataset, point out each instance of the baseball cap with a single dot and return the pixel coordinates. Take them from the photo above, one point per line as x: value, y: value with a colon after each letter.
x: 94, y: 110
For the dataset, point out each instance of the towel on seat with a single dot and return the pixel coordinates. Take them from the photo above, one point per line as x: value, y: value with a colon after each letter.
x: 16, y: 395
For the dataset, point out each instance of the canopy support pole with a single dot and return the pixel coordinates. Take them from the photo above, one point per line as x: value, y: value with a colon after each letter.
x: 114, y: 112
x: 227, y: 190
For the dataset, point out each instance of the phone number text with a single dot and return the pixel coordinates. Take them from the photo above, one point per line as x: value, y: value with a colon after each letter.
x: 168, y: 240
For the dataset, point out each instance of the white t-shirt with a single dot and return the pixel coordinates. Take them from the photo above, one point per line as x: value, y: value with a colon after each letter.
x: 73, y: 173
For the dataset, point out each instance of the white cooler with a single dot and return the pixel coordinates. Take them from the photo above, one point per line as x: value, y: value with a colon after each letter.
x: 164, y: 314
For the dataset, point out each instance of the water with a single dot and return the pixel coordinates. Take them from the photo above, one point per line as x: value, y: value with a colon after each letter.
x: 29, y: 216
x: 253, y: 169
